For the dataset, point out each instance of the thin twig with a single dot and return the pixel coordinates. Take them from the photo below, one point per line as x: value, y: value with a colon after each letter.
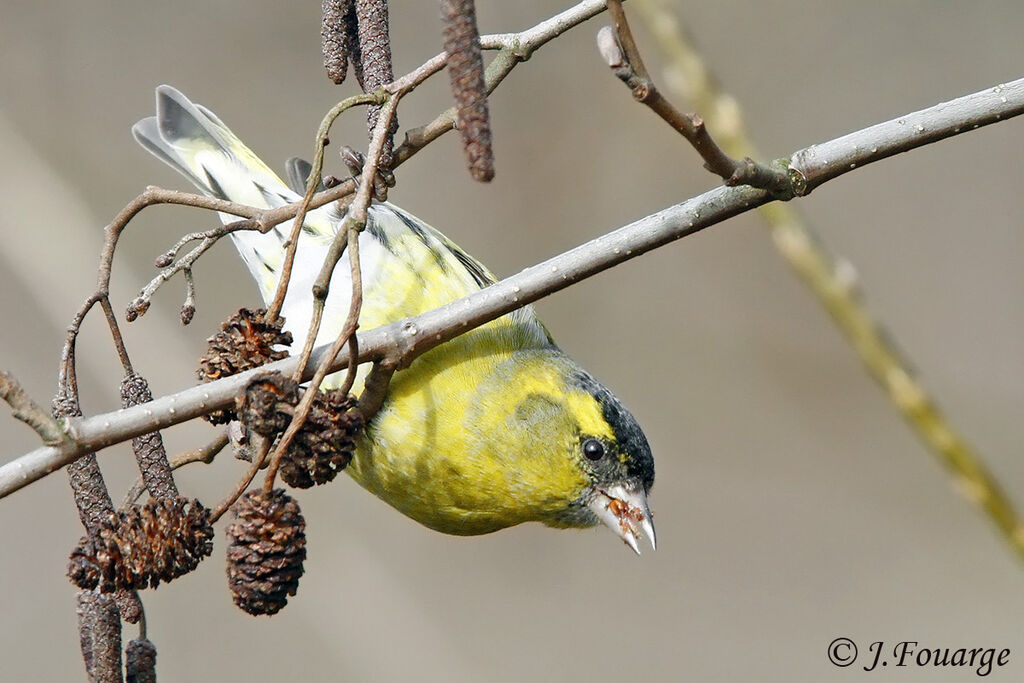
x: 348, y: 330
x: 188, y: 308
x: 351, y: 226
x: 140, y: 304
x: 315, y: 176
x: 31, y: 413
x: 833, y: 281
x: 257, y: 463
x: 620, y: 52
x: 167, y: 258
x: 375, y: 388
x: 115, y: 333
x: 353, y: 368
x: 321, y: 287
x: 204, y: 454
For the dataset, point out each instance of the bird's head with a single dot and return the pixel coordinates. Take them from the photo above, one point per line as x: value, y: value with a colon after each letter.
x: 578, y: 456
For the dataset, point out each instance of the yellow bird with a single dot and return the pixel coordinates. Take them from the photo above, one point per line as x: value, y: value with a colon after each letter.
x: 494, y: 428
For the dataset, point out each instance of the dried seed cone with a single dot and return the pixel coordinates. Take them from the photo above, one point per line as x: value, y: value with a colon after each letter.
x: 244, y: 342
x: 264, y: 406
x: 324, y: 445
x: 143, y: 545
x: 266, y: 549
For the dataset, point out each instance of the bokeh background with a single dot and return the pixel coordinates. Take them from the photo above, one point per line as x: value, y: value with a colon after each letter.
x: 793, y: 506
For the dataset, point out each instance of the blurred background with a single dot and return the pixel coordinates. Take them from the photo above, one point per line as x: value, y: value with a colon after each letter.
x: 792, y: 504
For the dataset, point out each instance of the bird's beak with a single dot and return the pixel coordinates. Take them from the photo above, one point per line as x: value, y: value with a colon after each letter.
x: 623, y: 509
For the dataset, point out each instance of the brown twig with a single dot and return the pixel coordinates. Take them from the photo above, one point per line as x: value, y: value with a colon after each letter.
x: 469, y: 88
x: 204, y: 454
x: 257, y: 463
x: 115, y: 333
x: 395, y: 91
x: 351, y: 225
x: 833, y: 280
x: 355, y: 305
x: 619, y: 50
x: 404, y: 339
x: 375, y: 388
x: 167, y: 258
x: 67, y: 379
x: 309, y: 200
x: 140, y: 304
x: 188, y: 308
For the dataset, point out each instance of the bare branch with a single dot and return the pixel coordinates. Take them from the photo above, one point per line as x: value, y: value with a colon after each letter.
x: 30, y: 412
x: 834, y: 281
x: 353, y: 223
x: 514, y: 48
x: 619, y: 50
x: 402, y: 341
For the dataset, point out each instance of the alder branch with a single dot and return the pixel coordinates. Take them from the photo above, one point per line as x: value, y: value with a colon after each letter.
x: 833, y: 280
x: 31, y: 413
x: 399, y: 343
x: 619, y: 50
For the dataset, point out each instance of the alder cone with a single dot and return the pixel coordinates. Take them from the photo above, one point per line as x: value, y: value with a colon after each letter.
x: 266, y: 549
x: 245, y: 341
x: 265, y: 407
x: 141, y: 546
x: 325, y: 443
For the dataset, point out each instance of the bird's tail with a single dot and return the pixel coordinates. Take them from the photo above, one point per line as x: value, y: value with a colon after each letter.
x: 193, y: 141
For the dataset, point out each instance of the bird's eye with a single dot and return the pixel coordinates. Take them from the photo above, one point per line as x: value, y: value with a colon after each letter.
x: 593, y: 449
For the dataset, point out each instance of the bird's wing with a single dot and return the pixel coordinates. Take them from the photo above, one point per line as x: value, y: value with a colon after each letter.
x: 407, y: 267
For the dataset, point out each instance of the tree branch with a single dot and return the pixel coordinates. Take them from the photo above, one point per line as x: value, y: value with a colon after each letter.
x: 30, y: 412
x: 834, y: 282
x: 402, y: 341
